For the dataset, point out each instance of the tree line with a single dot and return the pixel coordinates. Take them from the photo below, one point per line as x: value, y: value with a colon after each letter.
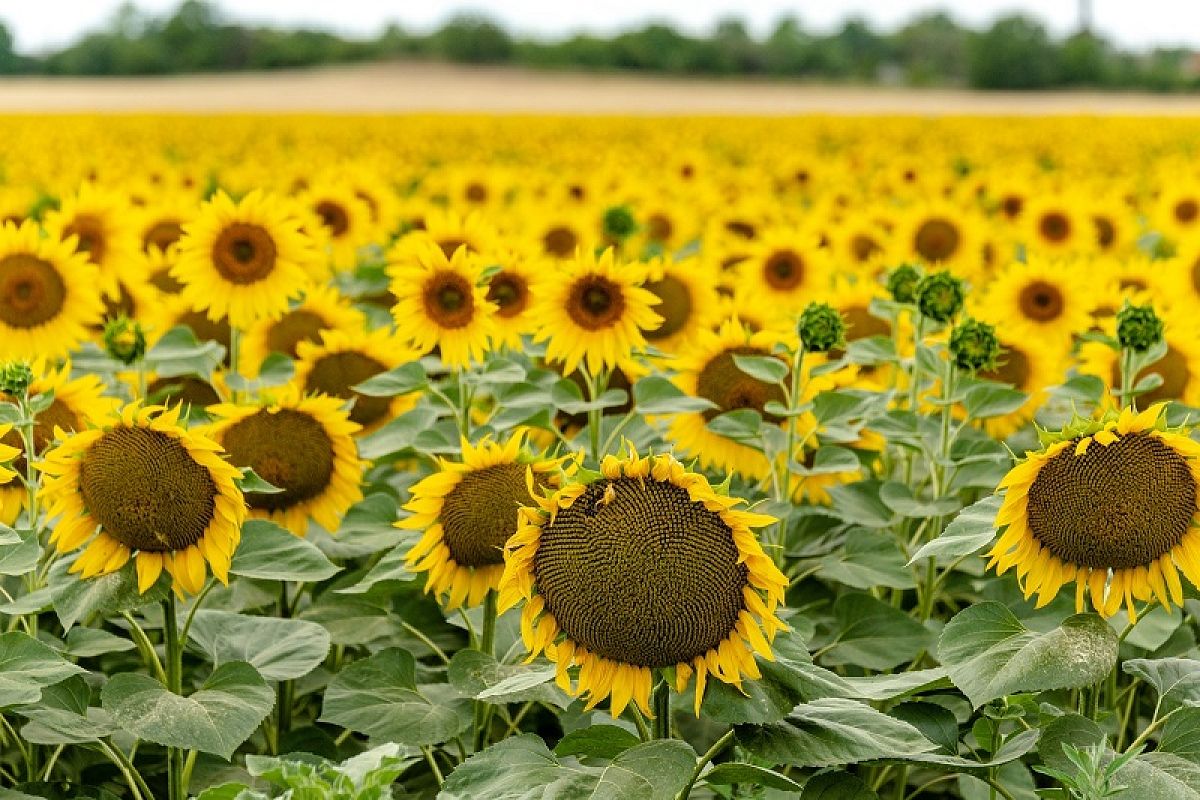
x: 1014, y: 52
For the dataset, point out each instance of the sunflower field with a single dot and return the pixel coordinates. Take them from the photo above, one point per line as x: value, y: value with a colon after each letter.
x: 648, y: 459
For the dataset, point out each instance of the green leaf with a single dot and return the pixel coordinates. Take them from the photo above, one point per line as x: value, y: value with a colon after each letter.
x: 992, y: 400
x: 988, y: 653
x: 859, y: 503
x: 739, y: 425
x: 280, y: 649
x: 399, y: 434
x: 92, y: 642
x: 568, y: 397
x: 224, y: 713
x: 393, y: 567
x: 1177, y: 680
x: 831, y: 732
x: 378, y: 696
x: 27, y: 666
x: 900, y: 499
x: 63, y: 715
x: 1084, y: 389
x: 253, y: 483
x: 655, y: 394
x: 767, y: 369
x: 21, y: 557
x: 936, y: 723
x: 403, y: 379
x: 522, y: 767
x: 971, y: 531
x: 1067, y: 729
x: 874, y: 634
x: 837, y: 785
x: 828, y: 460
x: 179, y: 352
x: 866, y: 560
x: 368, y: 527
x: 478, y: 675
x: 1014, y: 747
x: 269, y: 552
x: 231, y: 791
x: 596, y: 741
x: 733, y: 772
x: 896, y: 685
x: 77, y: 600
x: 790, y: 679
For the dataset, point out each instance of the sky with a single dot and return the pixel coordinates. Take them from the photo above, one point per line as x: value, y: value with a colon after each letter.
x: 40, y: 25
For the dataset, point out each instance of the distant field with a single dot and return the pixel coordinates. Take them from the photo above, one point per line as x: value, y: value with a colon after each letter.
x: 426, y: 87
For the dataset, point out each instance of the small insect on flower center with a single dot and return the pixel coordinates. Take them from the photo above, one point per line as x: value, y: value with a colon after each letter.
x: 287, y: 448
x: 146, y: 490
x: 449, y: 301
x: 675, y: 306
x: 937, y: 239
x: 638, y: 572
x: 32, y: 291
x: 1118, y: 506
x: 595, y: 302
x: 244, y: 253
x: 1041, y: 301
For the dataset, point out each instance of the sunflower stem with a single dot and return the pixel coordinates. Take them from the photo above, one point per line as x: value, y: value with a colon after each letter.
x: 127, y: 770
x: 703, y: 762
x: 1127, y: 398
x: 177, y: 787
x: 26, y: 427
x: 487, y: 643
x: 235, y: 346
x: 660, y: 703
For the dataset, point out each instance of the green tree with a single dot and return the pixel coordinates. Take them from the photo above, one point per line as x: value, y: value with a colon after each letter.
x: 932, y: 49
x: 1014, y: 53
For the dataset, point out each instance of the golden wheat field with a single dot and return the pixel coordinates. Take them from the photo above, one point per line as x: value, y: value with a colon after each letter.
x: 613, y: 457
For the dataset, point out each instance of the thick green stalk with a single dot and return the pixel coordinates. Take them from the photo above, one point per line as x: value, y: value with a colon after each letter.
x: 660, y: 703
x: 177, y: 788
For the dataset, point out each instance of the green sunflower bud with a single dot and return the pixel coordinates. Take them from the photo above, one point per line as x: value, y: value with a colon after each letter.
x: 15, y: 378
x: 619, y: 223
x: 902, y: 283
x: 821, y: 328
x: 124, y: 340
x: 974, y: 345
x: 940, y: 296
x: 1138, y: 327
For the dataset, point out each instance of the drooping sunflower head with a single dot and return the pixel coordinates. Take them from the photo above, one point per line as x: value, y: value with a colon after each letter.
x: 143, y: 486
x: 442, y: 302
x: 466, y: 512
x: 647, y: 567
x: 303, y: 446
x: 49, y: 294
x: 1108, y: 504
x: 243, y: 259
x: 594, y: 313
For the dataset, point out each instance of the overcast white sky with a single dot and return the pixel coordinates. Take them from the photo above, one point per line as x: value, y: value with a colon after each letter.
x: 38, y: 25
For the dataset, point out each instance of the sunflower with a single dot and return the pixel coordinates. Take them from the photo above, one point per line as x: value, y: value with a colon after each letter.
x: 144, y: 486
x: 645, y: 568
x: 939, y: 234
x: 707, y: 369
x: 340, y: 362
x: 1176, y: 212
x: 1108, y: 504
x: 467, y: 511
x: 1040, y: 300
x: 159, y: 223
x: 99, y: 220
x: 512, y: 289
x: 8, y: 455
x: 242, y: 260
x: 441, y: 302
x: 345, y: 220
x: 1028, y: 367
x: 785, y: 268
x: 448, y: 231
x: 48, y: 294
x: 302, y: 445
x: 687, y: 301
x: 174, y: 311
x: 77, y: 403
x: 322, y: 309
x: 594, y: 313
x: 1055, y: 223
x: 157, y: 266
